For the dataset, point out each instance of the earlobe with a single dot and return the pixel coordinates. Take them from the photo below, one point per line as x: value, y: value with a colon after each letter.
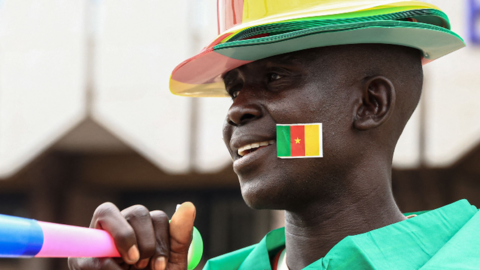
x: 378, y: 102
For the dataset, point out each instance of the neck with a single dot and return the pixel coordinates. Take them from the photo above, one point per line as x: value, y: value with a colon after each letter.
x: 312, y: 231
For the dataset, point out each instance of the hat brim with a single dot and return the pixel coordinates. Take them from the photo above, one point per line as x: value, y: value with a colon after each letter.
x: 201, y: 75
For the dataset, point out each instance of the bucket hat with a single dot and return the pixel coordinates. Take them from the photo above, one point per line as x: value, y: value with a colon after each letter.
x: 250, y: 30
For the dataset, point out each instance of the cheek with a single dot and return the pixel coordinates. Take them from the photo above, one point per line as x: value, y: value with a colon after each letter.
x: 227, y: 134
x: 300, y: 106
x: 337, y: 137
x: 226, y: 130
x: 312, y: 105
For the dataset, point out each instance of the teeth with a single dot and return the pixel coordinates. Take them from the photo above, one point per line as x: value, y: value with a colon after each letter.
x: 242, y: 150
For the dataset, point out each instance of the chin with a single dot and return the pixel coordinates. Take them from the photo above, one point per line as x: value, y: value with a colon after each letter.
x: 258, y: 204
x: 261, y: 196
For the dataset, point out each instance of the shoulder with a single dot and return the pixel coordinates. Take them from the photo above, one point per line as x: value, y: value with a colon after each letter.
x: 231, y: 260
x: 445, y: 238
x: 253, y: 257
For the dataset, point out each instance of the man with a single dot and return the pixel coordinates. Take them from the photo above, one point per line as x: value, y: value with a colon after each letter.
x: 355, y: 67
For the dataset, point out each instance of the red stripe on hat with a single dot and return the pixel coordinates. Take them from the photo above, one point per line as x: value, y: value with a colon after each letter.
x: 232, y: 13
x: 206, y: 67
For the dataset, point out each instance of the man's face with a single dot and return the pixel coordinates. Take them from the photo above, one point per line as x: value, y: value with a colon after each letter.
x: 304, y: 87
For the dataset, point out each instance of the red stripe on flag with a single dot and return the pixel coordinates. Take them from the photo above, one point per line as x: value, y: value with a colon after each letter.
x: 297, y: 141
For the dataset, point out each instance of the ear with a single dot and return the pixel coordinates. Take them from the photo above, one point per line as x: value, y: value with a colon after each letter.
x: 378, y: 102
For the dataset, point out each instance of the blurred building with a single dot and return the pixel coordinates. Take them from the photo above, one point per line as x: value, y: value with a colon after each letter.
x: 86, y: 117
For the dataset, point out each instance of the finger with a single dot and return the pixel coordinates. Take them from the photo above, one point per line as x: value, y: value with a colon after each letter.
x: 181, y: 228
x: 92, y: 264
x: 162, y: 238
x: 107, y: 217
x: 139, y: 218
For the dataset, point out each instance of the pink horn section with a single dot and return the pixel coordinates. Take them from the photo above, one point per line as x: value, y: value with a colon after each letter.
x: 61, y: 241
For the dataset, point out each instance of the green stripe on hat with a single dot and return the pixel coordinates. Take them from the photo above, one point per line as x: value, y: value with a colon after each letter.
x: 434, y: 41
x: 427, y: 16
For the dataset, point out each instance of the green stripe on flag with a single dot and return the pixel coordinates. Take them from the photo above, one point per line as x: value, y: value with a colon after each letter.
x: 283, y: 141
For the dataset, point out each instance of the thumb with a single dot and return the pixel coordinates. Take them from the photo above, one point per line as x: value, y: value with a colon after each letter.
x: 181, y: 229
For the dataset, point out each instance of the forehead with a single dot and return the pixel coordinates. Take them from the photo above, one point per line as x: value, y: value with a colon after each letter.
x: 289, y: 59
x: 299, y: 59
x: 324, y: 60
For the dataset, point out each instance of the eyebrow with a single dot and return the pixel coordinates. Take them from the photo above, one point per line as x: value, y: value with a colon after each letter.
x: 287, y: 59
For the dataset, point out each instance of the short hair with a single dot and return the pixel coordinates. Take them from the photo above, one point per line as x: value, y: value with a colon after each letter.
x: 402, y: 65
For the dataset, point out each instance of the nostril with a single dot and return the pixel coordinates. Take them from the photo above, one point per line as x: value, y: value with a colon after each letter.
x: 241, y: 114
x: 230, y: 122
x: 246, y: 117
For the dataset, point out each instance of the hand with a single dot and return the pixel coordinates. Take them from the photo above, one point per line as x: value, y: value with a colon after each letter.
x: 145, y: 240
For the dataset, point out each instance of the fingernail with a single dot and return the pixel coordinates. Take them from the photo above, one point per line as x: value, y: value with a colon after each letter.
x: 133, y: 255
x: 143, y: 263
x: 160, y: 263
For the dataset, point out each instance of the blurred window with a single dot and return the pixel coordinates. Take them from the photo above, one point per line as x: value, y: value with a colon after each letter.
x: 474, y: 20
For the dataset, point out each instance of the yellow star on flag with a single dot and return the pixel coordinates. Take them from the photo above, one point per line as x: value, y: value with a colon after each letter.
x: 297, y: 140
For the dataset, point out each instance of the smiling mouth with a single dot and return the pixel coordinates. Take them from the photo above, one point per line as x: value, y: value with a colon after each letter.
x: 250, y: 148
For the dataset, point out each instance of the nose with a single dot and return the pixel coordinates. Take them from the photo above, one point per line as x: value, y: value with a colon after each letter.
x: 240, y: 113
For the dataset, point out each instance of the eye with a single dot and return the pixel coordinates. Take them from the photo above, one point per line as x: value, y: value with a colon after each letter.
x: 274, y: 76
x: 235, y: 94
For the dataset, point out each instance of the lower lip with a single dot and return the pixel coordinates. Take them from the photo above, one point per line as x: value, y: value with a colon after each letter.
x: 252, y: 157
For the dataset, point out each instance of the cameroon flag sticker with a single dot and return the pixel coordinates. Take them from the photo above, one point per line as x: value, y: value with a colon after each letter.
x: 299, y: 141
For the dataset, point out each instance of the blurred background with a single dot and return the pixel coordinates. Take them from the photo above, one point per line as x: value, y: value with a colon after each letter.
x: 86, y: 117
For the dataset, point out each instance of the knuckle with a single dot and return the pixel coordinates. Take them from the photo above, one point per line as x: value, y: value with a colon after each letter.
x: 159, y: 216
x: 136, y: 211
x: 104, y: 209
x: 102, y: 213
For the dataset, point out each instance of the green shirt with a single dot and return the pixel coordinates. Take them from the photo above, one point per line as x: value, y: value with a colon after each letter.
x: 445, y: 238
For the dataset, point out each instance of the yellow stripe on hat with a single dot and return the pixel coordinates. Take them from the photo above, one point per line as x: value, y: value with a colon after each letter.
x: 257, y: 12
x: 216, y: 89
x: 312, y: 140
